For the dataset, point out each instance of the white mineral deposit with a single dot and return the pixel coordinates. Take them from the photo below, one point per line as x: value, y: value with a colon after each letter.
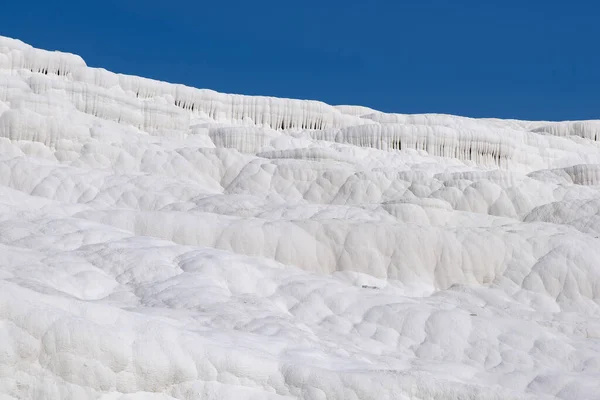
x: 163, y: 242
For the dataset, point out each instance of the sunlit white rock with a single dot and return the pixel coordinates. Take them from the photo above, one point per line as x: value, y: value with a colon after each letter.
x: 165, y: 242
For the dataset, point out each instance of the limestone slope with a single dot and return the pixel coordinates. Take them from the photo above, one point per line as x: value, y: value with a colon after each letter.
x: 165, y: 242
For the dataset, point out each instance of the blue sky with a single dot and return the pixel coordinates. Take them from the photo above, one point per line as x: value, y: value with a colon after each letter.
x: 507, y: 59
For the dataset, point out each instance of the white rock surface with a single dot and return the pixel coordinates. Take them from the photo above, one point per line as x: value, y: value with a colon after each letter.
x: 164, y: 242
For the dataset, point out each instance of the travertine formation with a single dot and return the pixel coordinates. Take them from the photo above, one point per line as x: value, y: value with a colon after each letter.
x: 165, y: 242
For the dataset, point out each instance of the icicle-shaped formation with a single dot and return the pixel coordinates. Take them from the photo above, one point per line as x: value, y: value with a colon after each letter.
x: 585, y: 129
x: 309, y: 154
x: 476, y: 146
x: 244, y: 139
x: 114, y: 105
x: 582, y: 174
x: 113, y: 96
x: 15, y: 55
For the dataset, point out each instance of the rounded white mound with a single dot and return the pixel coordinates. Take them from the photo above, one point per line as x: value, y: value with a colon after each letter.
x: 165, y: 242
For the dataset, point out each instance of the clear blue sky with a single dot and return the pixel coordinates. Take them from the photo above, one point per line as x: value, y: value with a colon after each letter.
x: 525, y: 59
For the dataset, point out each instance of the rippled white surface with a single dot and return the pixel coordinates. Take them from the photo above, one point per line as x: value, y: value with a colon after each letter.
x: 163, y: 242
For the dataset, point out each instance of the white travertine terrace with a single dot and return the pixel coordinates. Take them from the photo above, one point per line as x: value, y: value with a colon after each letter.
x: 165, y: 242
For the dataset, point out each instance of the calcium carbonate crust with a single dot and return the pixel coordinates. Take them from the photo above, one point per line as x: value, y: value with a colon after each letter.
x: 165, y: 242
